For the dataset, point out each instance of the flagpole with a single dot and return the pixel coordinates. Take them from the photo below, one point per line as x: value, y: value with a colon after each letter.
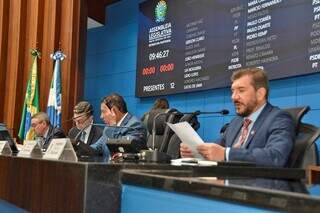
x: 55, y: 92
x: 31, y: 101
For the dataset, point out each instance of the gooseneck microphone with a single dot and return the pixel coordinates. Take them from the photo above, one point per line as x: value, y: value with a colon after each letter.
x: 80, y: 130
x: 45, y: 140
x: 154, y: 126
x: 66, y: 121
x: 124, y: 142
x: 78, y: 135
x: 115, y: 126
x: 222, y: 112
x: 198, y: 112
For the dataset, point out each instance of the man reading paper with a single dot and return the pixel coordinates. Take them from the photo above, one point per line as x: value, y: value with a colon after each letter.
x: 260, y: 133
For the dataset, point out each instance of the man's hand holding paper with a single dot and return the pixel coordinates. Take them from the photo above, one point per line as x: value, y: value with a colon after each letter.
x: 193, y: 146
x: 189, y: 137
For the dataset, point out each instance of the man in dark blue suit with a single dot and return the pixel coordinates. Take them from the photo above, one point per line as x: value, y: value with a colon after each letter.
x: 44, y: 131
x: 83, y: 129
x: 119, y: 124
x: 261, y: 133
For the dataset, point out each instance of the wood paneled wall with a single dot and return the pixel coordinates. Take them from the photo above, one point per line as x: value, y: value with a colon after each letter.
x: 48, y: 26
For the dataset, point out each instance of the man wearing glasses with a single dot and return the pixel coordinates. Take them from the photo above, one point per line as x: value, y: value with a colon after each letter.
x: 45, y: 132
x: 83, y: 119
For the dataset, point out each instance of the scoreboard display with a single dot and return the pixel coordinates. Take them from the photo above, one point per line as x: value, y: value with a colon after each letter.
x: 192, y: 45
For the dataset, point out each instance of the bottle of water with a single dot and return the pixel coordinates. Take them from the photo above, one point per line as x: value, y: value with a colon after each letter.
x: 40, y: 142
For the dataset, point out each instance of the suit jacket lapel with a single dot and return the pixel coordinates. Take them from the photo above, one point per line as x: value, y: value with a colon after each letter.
x: 258, y: 123
x: 126, y: 119
x: 49, y: 135
x: 235, y: 131
x: 91, y: 134
x: 125, y: 123
x: 117, y: 131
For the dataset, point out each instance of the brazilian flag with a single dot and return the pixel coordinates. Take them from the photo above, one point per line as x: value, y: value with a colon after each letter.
x: 31, y: 101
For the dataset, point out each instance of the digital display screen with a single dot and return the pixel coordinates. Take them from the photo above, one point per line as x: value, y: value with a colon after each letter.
x: 192, y: 45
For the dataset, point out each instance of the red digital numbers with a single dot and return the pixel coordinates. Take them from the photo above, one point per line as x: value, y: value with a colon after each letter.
x: 148, y: 71
x: 167, y: 67
x: 163, y: 68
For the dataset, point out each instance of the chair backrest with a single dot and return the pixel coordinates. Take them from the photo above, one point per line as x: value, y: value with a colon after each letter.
x: 305, y: 151
x: 173, y: 148
x: 297, y: 113
x: 168, y: 132
x: 144, y: 119
x: 162, y: 131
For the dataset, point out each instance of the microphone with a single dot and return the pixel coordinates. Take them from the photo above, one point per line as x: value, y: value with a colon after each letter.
x: 70, y: 119
x: 222, y: 112
x: 82, y: 149
x: 78, y: 135
x: 112, y: 126
x: 65, y: 121
x: 128, y: 143
x: 154, y: 125
x: 43, y: 141
x: 155, y: 155
x: 198, y: 112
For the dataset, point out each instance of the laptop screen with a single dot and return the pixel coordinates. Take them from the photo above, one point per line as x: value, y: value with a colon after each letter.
x: 5, y: 136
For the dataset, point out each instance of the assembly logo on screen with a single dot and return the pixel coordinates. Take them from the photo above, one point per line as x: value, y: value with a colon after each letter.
x: 161, y: 11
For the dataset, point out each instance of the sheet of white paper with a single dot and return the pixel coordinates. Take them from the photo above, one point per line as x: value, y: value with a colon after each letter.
x: 188, y: 136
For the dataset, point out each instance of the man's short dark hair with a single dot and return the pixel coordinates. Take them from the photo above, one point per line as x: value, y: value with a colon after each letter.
x: 83, y: 107
x: 259, y: 77
x: 117, y: 100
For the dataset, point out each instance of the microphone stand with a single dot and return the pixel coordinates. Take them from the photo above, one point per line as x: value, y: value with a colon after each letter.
x: 155, y: 155
x: 82, y: 149
x: 131, y: 144
x: 57, y: 126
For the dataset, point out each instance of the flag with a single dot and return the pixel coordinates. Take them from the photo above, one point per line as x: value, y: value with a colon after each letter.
x: 54, y: 99
x: 31, y: 101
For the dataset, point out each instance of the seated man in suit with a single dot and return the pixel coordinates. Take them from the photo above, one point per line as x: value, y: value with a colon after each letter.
x: 119, y: 124
x: 83, y: 119
x: 260, y: 133
x: 43, y: 129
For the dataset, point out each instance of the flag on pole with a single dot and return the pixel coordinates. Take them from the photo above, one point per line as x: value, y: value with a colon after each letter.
x: 31, y: 101
x: 54, y: 99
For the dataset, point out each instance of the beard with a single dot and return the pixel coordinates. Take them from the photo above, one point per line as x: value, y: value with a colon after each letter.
x: 245, y: 110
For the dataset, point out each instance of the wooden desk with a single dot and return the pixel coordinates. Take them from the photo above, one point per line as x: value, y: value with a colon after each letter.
x: 39, y: 185
x: 313, y: 174
x: 55, y: 186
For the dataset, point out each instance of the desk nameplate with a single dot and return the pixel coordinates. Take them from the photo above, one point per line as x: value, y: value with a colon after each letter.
x: 61, y: 149
x: 5, y: 148
x: 31, y: 149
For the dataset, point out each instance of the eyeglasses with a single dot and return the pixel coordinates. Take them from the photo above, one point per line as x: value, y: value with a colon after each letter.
x: 80, y: 118
x: 35, y: 124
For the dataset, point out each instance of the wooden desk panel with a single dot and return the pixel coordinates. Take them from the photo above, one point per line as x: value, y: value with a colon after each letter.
x: 41, y: 185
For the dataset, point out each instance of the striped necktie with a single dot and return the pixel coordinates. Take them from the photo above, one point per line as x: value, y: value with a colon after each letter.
x: 244, y: 133
x: 83, y: 136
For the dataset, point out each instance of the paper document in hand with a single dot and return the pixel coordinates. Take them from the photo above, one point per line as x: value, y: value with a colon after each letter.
x: 188, y: 136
